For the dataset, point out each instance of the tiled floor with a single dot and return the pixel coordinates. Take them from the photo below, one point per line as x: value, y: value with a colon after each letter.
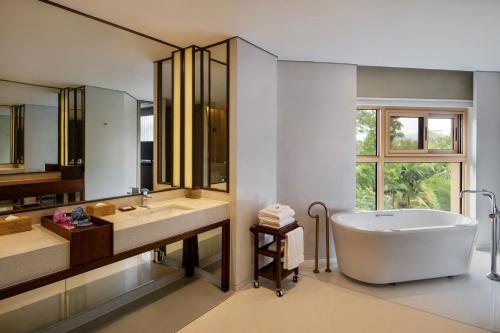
x: 471, y: 299
x: 313, y: 305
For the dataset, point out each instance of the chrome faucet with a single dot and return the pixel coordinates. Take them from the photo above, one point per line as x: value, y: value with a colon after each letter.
x: 494, y: 214
x: 145, y: 197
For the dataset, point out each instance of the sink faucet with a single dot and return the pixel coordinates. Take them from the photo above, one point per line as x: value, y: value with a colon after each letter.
x: 494, y: 214
x: 144, y: 197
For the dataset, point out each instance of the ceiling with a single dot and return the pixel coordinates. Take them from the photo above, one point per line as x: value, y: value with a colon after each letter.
x: 43, y: 44
x: 436, y: 34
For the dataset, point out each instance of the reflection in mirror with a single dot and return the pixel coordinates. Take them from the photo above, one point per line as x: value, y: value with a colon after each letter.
x: 12, y: 137
x: 75, y: 130
x: 168, y: 121
x: 216, y: 119
x: 146, y: 143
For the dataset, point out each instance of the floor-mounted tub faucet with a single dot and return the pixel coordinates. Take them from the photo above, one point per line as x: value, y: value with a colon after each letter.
x: 492, y: 275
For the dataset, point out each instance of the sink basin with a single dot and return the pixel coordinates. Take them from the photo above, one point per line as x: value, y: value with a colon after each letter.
x: 161, y: 211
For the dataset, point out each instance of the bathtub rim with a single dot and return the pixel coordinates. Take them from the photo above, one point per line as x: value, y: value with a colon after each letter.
x: 333, y: 219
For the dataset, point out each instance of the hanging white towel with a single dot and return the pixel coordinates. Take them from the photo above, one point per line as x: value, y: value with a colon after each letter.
x: 294, y: 248
x: 281, y: 215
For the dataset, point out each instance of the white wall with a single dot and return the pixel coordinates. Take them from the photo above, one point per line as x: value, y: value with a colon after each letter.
x: 41, y: 139
x: 316, y: 139
x: 253, y: 146
x: 111, y: 151
x: 487, y: 121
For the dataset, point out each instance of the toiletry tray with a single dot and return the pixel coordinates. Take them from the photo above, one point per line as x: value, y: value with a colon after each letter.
x: 274, y: 270
x: 88, y: 243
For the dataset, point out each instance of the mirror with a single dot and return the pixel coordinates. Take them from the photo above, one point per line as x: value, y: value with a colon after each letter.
x: 77, y: 121
x: 216, y: 118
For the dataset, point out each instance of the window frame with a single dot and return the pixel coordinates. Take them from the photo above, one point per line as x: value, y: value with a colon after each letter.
x: 385, y: 155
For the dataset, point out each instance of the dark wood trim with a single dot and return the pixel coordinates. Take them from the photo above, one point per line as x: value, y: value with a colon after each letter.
x: 19, y: 191
x: 226, y: 256
x: 228, y: 110
x: 84, y: 202
x: 219, y: 43
x: 73, y: 271
x: 158, y: 120
x: 31, y: 84
x: 218, y: 61
x: 108, y: 23
x: 190, y: 255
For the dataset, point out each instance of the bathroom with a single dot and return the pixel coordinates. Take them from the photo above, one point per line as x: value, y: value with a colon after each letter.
x: 194, y: 126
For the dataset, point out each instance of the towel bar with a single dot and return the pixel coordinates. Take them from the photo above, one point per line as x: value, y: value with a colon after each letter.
x: 327, y: 231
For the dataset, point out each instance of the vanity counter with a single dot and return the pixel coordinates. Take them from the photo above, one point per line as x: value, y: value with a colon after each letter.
x: 35, y: 258
x: 164, y: 219
x: 30, y: 254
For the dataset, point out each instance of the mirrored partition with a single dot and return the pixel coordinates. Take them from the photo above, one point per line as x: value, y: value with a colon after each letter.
x: 77, y: 118
x: 216, y: 119
x: 168, y: 120
x: 207, y: 117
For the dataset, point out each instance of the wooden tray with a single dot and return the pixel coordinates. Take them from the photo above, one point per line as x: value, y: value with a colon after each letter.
x: 86, y: 243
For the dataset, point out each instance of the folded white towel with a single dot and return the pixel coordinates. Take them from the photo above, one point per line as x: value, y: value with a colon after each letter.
x: 281, y: 215
x: 276, y: 208
x: 274, y: 222
x: 294, y: 248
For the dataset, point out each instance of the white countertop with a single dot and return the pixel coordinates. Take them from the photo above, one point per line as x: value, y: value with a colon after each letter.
x: 30, y: 254
x: 164, y: 219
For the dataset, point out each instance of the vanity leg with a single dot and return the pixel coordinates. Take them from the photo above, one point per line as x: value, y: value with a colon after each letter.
x: 190, y: 258
x: 277, y: 261
x: 225, y: 261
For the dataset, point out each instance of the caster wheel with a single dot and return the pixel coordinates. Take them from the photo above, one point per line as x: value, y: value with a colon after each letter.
x: 295, y: 278
x: 256, y: 284
x: 280, y: 292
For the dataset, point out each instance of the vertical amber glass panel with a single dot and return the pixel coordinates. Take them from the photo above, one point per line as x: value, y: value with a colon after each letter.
x: 188, y: 117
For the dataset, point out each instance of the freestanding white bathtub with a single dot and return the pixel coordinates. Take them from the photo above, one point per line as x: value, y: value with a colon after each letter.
x: 402, y: 245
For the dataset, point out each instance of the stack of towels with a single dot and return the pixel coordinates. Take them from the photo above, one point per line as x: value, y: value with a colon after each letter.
x: 276, y: 216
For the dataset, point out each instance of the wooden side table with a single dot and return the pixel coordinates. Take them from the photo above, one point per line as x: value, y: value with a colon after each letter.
x: 273, y: 271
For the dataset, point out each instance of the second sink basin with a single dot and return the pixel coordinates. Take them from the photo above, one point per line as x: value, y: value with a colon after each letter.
x: 160, y: 211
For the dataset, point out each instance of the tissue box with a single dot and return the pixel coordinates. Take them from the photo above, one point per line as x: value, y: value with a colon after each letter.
x: 106, y: 209
x: 23, y: 223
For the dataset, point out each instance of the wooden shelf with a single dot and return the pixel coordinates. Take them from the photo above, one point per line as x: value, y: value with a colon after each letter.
x: 268, y: 271
x: 264, y: 250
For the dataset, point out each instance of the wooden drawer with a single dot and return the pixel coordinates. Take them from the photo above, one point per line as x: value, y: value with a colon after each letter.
x: 86, y: 243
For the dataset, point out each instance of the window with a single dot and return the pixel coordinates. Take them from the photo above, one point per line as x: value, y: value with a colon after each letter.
x: 409, y: 158
x: 147, y: 128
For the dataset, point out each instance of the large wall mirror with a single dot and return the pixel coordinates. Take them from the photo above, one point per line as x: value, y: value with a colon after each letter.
x: 77, y: 118
x: 208, y: 75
